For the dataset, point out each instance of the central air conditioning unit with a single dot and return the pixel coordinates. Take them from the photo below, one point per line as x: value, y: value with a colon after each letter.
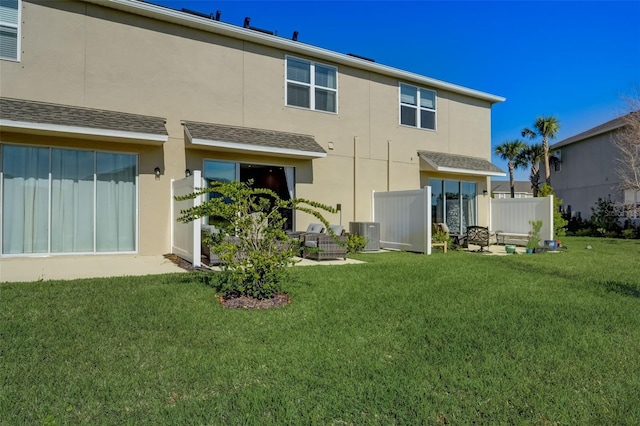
x: 370, y: 231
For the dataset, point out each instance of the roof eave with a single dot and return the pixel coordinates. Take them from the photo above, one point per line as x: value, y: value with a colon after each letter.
x: 82, y: 132
x: 469, y: 171
x: 169, y: 15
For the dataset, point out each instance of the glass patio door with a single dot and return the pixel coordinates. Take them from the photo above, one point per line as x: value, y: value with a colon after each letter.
x: 454, y: 203
x: 67, y: 201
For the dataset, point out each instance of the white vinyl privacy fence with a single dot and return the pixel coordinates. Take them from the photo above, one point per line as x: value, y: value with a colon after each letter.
x: 185, y: 237
x: 512, y: 215
x: 405, y: 219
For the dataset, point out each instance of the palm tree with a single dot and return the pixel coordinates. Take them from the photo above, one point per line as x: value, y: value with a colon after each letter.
x: 510, y: 150
x: 547, y: 127
x: 531, y: 156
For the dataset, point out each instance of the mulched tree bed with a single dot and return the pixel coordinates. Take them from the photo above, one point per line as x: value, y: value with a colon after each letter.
x: 235, y: 301
x: 247, y: 302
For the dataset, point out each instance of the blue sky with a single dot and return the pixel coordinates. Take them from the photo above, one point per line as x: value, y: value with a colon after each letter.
x: 575, y: 60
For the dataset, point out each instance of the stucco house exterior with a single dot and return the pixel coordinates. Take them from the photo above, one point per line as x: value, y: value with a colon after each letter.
x: 104, y: 102
x: 587, y: 171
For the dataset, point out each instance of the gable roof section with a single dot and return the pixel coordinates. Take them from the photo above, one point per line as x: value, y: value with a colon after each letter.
x: 454, y: 163
x: 520, y: 186
x: 609, y: 126
x: 247, y: 140
x: 45, y: 118
x: 161, y: 13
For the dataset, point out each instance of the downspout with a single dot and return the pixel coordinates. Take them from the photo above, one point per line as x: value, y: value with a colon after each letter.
x: 355, y: 176
x: 388, y: 166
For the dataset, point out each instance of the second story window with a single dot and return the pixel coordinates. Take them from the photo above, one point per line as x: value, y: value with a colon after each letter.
x: 417, y: 107
x: 9, y: 29
x: 311, y: 85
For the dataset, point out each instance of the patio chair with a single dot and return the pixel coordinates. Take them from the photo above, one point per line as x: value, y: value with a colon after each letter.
x: 321, y: 246
x: 480, y: 236
x: 313, y: 228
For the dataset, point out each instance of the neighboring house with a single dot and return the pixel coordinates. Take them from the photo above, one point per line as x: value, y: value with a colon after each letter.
x: 502, y: 189
x: 587, y: 171
x: 104, y: 102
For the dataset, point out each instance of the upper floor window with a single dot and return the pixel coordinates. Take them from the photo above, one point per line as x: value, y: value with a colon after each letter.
x: 9, y: 29
x: 417, y: 107
x: 311, y: 85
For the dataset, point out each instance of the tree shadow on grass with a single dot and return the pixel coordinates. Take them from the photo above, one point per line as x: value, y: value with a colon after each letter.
x: 624, y: 289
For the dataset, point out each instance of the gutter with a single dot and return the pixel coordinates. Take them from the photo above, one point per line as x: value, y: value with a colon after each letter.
x: 161, y: 13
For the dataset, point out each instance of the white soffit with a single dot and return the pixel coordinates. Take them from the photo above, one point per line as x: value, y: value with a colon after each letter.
x: 82, y: 132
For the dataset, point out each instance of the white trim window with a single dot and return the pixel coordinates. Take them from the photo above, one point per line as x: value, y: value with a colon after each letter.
x: 417, y: 107
x: 10, y: 29
x: 311, y: 85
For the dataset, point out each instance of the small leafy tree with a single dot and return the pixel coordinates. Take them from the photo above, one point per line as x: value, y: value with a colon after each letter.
x: 534, y: 234
x: 559, y: 222
x: 254, y: 249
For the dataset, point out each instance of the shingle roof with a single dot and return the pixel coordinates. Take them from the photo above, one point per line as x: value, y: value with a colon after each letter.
x: 18, y: 110
x: 521, y: 186
x: 609, y: 126
x: 440, y: 160
x: 249, y: 136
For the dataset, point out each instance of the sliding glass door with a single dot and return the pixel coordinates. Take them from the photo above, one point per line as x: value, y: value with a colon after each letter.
x: 454, y: 203
x: 67, y: 201
x: 279, y: 179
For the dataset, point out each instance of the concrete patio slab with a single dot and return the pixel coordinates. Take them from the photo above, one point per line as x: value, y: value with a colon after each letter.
x: 74, y: 267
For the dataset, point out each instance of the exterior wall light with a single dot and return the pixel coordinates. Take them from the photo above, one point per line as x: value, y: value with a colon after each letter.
x: 157, y: 172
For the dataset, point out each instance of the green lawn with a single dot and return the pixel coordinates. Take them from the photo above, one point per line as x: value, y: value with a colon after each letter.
x: 459, y: 338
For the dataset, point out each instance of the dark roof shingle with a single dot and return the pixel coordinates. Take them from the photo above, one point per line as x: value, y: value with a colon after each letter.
x: 609, y: 126
x: 250, y: 136
x: 19, y: 110
x: 456, y: 161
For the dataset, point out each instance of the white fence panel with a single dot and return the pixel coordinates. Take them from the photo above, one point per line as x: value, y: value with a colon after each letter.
x: 185, y: 237
x: 405, y: 219
x: 512, y: 215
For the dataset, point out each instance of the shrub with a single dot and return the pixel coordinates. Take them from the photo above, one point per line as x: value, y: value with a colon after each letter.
x: 441, y: 237
x: 355, y: 243
x: 628, y: 233
x: 254, y: 249
x: 534, y: 234
x: 584, y: 232
x: 604, y: 217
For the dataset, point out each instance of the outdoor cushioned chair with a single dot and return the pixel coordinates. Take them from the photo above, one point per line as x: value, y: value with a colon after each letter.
x: 313, y: 228
x: 480, y: 236
x: 321, y: 246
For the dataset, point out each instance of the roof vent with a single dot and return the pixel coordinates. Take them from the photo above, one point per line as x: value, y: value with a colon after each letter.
x: 361, y: 57
x: 295, y: 36
x: 202, y: 15
x: 247, y: 25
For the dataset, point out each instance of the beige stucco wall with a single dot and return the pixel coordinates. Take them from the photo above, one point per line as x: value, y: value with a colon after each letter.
x: 588, y: 172
x: 86, y: 55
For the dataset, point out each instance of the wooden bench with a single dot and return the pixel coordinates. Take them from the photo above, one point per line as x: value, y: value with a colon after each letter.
x: 511, y: 237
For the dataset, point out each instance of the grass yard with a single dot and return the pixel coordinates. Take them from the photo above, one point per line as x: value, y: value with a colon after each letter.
x: 460, y: 339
